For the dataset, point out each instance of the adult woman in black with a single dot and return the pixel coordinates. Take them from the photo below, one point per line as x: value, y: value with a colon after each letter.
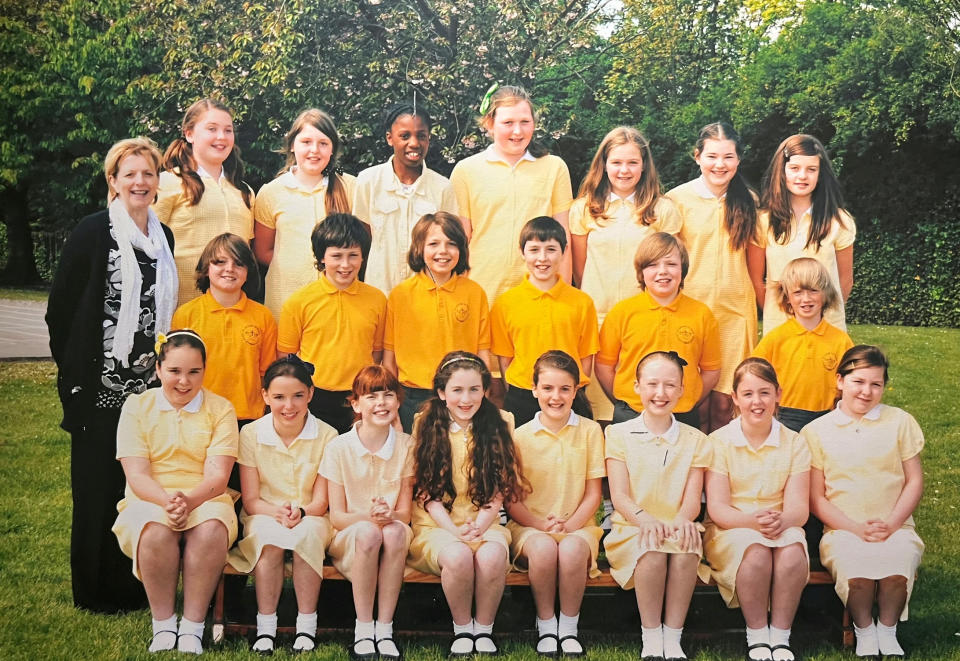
x: 114, y: 291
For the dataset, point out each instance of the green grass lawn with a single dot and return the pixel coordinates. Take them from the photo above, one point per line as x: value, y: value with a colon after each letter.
x: 24, y: 294
x: 39, y: 622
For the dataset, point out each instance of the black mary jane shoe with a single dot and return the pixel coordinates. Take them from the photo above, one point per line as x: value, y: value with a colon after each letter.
x: 352, y: 650
x: 478, y: 636
x: 548, y: 655
x: 572, y: 655
x: 264, y: 636
x: 388, y: 657
x: 462, y: 655
x: 304, y: 634
x: 785, y: 648
x: 757, y: 646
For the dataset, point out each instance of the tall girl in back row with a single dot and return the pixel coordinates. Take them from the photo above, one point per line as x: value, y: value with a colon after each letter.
x: 306, y: 191
x: 719, y: 215
x: 504, y: 186
x: 802, y: 216
x: 202, y: 193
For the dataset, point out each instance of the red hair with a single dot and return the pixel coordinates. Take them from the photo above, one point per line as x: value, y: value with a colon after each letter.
x: 374, y: 378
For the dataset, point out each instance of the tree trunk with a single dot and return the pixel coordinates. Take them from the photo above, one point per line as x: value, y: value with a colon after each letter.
x: 21, y: 268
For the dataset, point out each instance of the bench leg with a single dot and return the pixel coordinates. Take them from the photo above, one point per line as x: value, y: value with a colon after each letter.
x: 217, y: 628
x: 848, y: 637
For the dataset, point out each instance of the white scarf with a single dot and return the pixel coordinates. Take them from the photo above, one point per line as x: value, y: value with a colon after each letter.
x: 154, y: 245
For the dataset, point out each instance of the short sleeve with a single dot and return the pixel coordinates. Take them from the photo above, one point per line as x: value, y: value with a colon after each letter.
x: 589, y: 335
x: 562, y: 196
x: 390, y: 321
x: 180, y: 318
x: 131, y: 440
x: 448, y: 199
x: 378, y: 332
x: 595, y: 460
x: 247, y: 455
x: 614, y: 446
x: 578, y: 217
x: 668, y: 217
x: 501, y: 342
x: 610, y: 338
x: 703, y: 454
x: 460, y: 182
x: 330, y: 465
x: 224, y: 437
x: 169, y: 194
x: 761, y: 237
x: 290, y: 328
x: 719, y: 463
x: 813, y: 445
x: 800, y: 459
x: 764, y: 348
x: 362, y: 195
x: 409, y: 466
x: 263, y: 211
x: 710, y: 356
x: 909, y: 437
x: 484, y: 338
x: 846, y: 231
x: 268, y: 345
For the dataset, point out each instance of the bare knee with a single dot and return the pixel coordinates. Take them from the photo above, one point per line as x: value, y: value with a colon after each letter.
x: 891, y: 583
x: 652, y: 560
x: 368, y: 539
x: 457, y: 560
x: 490, y: 558
x: 209, y: 536
x: 540, y: 549
x: 394, y: 537
x: 861, y: 585
x: 157, y: 535
x: 757, y: 560
x: 270, y: 556
x: 791, y: 559
x: 573, y: 552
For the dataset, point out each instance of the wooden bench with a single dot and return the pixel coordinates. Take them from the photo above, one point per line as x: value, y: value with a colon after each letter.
x: 221, y: 627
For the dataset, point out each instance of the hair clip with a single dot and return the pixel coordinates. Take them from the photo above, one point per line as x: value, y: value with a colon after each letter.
x: 469, y: 359
x: 294, y: 359
x: 676, y: 357
x: 487, y: 98
x: 161, y: 340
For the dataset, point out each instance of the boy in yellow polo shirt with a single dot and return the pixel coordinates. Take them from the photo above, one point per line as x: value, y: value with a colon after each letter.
x: 542, y: 313
x: 335, y: 322
x: 806, y: 349
x: 660, y: 318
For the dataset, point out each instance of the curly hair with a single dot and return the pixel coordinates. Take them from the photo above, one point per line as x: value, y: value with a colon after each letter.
x: 494, y: 468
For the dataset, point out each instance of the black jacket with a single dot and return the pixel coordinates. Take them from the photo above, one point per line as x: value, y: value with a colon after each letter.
x: 75, y: 316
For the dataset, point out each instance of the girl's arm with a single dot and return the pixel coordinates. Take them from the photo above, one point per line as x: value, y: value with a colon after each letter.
x: 845, y: 271
x: 909, y: 496
x: 339, y: 516
x: 519, y: 512
x: 504, y: 363
x: 319, y: 500
x: 719, y: 508
x: 619, y: 481
x: 605, y: 375
x: 404, y: 506
x: 390, y: 361
x: 467, y: 227
x: 263, y: 242
x: 441, y: 517
x: 376, y: 357
x: 796, y: 500
x: 140, y: 479
x: 578, y: 252
x: 250, y: 492
x: 488, y: 514
x: 827, y: 512
x: 592, y: 495
x: 756, y: 267
x: 710, y: 378
x: 587, y: 364
x: 686, y: 529
x: 216, y: 472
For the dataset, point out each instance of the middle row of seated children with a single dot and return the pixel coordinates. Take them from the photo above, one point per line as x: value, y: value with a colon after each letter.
x: 353, y: 495
x: 342, y: 324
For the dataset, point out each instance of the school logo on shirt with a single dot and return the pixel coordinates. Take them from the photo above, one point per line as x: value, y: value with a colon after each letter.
x: 829, y: 361
x: 462, y: 311
x: 685, y: 334
x: 251, y: 334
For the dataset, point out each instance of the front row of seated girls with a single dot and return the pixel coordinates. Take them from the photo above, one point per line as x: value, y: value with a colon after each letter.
x: 857, y: 467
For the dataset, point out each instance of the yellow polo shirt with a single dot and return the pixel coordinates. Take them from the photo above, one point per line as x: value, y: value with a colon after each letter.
x: 806, y: 362
x: 241, y: 342
x: 221, y: 209
x: 640, y: 325
x: 335, y: 329
x: 499, y: 200
x: 293, y: 211
x: 391, y: 210
x: 426, y: 321
x: 526, y: 322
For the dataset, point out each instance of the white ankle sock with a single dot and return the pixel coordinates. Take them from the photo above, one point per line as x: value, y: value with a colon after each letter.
x: 484, y: 645
x: 780, y: 637
x: 547, y: 645
x: 867, y: 642
x: 759, y: 636
x: 671, y: 643
x: 189, y: 635
x: 306, y: 623
x: 388, y: 648
x: 364, y: 630
x: 266, y: 625
x: 567, y: 626
x: 164, y: 635
x: 463, y: 645
x: 887, y: 639
x: 652, y: 642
